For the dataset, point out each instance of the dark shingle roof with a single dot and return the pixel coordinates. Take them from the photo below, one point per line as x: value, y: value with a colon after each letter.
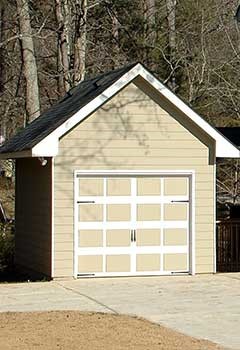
x: 71, y: 103
x: 232, y: 134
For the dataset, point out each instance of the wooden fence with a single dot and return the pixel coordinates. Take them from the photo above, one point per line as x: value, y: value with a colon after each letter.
x: 228, y: 246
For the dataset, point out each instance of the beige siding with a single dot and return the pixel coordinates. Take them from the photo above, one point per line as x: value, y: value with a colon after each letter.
x: 33, y: 216
x: 133, y: 132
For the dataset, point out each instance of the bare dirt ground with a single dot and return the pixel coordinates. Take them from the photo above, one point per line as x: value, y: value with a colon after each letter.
x: 88, y: 331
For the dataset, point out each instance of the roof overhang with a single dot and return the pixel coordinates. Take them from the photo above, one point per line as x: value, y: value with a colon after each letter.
x: 14, y: 155
x: 48, y: 147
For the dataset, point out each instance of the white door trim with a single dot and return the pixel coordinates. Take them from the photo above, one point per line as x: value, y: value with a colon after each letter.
x: 52, y: 220
x: 75, y: 228
x: 133, y: 172
x: 129, y: 173
x: 215, y: 218
x: 192, y: 204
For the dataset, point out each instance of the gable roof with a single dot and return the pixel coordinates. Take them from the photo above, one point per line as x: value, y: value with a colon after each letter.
x: 41, y: 137
x: 72, y: 102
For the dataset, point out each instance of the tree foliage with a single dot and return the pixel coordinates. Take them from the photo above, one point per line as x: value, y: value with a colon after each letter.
x: 191, y: 45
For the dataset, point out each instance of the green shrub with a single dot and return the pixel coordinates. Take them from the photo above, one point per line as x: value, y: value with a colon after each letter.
x: 6, y: 246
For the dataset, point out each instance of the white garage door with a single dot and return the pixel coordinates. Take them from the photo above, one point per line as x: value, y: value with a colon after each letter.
x: 131, y: 225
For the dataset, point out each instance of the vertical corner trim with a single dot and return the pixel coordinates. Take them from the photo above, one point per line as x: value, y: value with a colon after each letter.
x: 214, y: 218
x: 52, y: 221
x: 192, y: 221
x: 75, y: 229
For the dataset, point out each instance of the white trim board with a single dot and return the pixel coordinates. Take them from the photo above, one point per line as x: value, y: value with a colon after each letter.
x: 48, y: 147
x: 130, y: 173
x: 52, y: 222
x: 215, y: 220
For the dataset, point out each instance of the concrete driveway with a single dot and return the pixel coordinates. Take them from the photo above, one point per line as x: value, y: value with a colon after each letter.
x: 206, y: 306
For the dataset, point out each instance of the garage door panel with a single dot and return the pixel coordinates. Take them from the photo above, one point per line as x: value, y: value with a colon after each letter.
x: 176, y: 186
x: 118, y: 212
x: 148, y: 237
x: 90, y: 238
x: 175, y: 262
x: 90, y: 187
x: 148, y: 212
x: 118, y: 263
x: 176, y: 212
x: 118, y: 187
x: 148, y: 262
x: 90, y: 212
x: 118, y: 238
x: 149, y: 186
x: 90, y: 263
x: 175, y: 236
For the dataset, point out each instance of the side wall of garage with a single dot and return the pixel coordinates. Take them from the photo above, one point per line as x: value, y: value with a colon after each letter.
x: 33, y: 216
x: 136, y: 130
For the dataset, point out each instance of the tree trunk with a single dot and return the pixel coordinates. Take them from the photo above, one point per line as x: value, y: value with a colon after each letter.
x: 60, y: 78
x: 150, y: 21
x: 63, y: 45
x: 2, y: 72
x: 80, y: 41
x: 2, y: 58
x: 29, y: 61
x: 115, y: 34
x: 171, y: 18
x: 236, y: 182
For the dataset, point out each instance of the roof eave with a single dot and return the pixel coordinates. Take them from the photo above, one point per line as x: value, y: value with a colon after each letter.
x: 15, y: 155
x: 234, y: 153
x: 48, y: 147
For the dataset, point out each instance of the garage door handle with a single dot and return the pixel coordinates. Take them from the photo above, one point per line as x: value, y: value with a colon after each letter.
x: 82, y: 202
x: 180, y: 201
x: 133, y: 235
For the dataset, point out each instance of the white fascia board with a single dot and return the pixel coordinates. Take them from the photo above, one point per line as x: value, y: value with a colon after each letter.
x: 224, y: 148
x: 48, y: 147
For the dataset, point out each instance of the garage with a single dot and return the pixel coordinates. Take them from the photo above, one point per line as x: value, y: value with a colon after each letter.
x: 133, y: 224
x: 117, y: 179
